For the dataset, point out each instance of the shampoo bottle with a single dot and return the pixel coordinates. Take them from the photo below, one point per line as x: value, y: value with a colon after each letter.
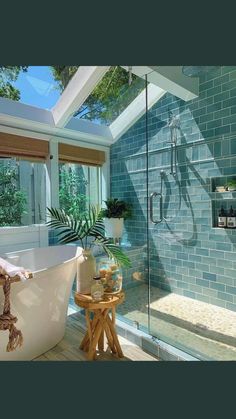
x: 231, y: 218
x: 222, y: 219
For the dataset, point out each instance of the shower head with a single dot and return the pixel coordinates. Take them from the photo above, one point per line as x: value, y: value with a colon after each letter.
x: 198, y: 70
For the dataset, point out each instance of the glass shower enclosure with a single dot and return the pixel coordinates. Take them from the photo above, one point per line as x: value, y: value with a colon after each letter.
x: 165, y: 165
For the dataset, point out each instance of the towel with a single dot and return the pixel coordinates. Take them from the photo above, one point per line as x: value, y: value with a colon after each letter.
x: 13, y: 271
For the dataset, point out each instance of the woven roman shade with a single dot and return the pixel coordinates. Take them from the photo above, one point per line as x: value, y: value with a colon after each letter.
x: 23, y: 147
x: 72, y: 154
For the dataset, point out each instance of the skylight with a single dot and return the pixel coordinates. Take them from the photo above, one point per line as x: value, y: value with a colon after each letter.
x: 38, y: 86
x: 111, y: 96
x: 92, y: 103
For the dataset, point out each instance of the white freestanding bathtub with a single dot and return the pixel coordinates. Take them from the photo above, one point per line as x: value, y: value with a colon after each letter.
x: 40, y: 303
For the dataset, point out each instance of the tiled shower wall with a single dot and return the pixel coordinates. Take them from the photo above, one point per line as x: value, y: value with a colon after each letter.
x: 188, y: 255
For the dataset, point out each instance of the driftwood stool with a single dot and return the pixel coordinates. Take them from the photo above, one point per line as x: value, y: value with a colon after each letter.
x: 101, y: 323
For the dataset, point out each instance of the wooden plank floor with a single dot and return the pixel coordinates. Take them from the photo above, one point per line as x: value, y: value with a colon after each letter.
x: 68, y: 348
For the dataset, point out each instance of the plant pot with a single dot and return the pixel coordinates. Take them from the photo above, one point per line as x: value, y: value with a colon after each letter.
x: 114, y: 227
x: 86, y: 270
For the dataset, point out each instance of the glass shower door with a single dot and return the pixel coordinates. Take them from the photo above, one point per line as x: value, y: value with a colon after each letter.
x: 185, y: 278
x: 171, y: 228
x: 129, y: 183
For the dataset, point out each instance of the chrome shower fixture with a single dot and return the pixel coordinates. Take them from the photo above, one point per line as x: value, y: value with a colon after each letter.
x: 174, y: 125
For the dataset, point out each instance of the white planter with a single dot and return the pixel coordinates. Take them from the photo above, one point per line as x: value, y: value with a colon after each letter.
x: 114, y: 227
x: 86, y: 270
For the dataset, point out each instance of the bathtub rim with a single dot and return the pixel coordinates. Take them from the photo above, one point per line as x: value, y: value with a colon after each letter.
x: 49, y: 267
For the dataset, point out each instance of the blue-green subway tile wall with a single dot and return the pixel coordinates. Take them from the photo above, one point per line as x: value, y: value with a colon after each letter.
x: 188, y: 255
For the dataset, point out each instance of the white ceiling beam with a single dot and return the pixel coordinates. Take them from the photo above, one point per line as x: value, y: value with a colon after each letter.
x: 89, y: 127
x: 12, y: 108
x: 135, y: 110
x: 77, y: 91
x: 171, y: 79
x: 80, y: 130
x: 28, y: 118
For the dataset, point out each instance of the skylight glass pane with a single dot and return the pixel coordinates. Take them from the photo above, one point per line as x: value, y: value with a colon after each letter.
x: 111, y: 96
x: 39, y: 86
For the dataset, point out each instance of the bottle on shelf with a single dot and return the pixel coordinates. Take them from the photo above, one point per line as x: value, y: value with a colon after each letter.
x: 231, y: 218
x: 97, y: 290
x: 222, y: 218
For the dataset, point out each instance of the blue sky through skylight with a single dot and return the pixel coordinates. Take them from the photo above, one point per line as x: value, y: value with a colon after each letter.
x: 38, y: 87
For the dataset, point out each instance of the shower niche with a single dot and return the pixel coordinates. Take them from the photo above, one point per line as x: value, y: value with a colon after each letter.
x: 223, y: 195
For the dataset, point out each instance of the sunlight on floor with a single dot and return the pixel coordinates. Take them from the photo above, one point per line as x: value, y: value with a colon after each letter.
x: 70, y: 311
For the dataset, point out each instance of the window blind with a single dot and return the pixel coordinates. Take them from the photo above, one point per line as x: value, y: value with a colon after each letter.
x: 73, y: 154
x: 23, y: 147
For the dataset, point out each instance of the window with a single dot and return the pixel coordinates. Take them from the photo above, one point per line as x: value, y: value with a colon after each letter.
x: 111, y: 96
x: 39, y: 86
x: 22, y: 192
x: 79, y: 187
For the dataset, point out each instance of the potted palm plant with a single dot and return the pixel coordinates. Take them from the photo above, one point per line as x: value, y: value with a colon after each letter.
x: 114, y: 214
x: 88, y: 229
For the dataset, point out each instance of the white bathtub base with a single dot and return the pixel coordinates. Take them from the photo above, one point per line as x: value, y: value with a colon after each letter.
x: 41, y: 303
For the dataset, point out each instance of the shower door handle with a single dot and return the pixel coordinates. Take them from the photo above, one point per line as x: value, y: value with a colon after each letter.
x: 152, y: 196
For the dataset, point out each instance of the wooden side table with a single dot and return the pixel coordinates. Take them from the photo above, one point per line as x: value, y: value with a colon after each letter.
x: 101, y: 323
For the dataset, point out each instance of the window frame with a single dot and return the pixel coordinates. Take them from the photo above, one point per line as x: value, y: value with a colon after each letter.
x: 52, y: 171
x: 52, y: 165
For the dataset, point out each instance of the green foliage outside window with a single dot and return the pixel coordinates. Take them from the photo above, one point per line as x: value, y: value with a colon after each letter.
x: 12, y: 200
x: 72, y: 189
x: 8, y: 75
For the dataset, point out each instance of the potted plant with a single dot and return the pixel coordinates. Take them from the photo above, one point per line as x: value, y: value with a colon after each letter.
x: 114, y: 214
x: 231, y: 185
x: 88, y: 229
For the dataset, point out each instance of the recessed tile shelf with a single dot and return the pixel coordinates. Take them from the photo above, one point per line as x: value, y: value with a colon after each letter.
x: 221, y: 196
x: 221, y: 199
x: 221, y: 181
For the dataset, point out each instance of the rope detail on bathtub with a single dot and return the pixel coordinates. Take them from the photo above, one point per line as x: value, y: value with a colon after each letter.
x: 7, y: 320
